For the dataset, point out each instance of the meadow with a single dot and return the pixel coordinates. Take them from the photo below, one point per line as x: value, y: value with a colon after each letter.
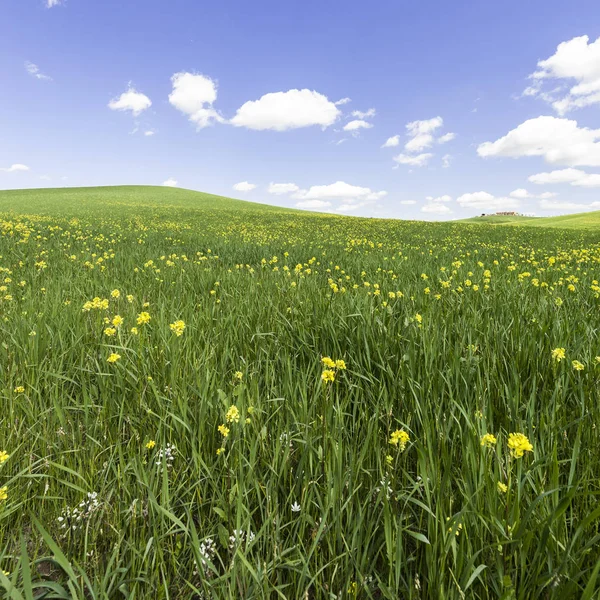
x: 206, y: 398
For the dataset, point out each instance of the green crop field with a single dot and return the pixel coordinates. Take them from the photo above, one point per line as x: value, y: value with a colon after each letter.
x: 207, y: 398
x: 589, y: 220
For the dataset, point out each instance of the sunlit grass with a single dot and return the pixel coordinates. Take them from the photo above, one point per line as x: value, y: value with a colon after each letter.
x: 214, y: 459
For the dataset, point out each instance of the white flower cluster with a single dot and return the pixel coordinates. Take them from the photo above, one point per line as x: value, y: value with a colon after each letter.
x: 207, y: 551
x: 238, y: 536
x: 73, y: 518
x: 165, y: 457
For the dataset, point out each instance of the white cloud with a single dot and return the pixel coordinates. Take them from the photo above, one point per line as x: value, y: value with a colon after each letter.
x: 408, y: 202
x: 577, y: 60
x: 342, y: 101
x: 244, y: 186
x: 567, y: 206
x: 436, y: 208
x: 559, y: 176
x: 149, y: 133
x: 280, y: 111
x: 364, y: 115
x: 415, y: 128
x: 419, y: 142
x: 447, y: 137
x: 194, y: 96
x: 340, y: 190
x: 34, y: 71
x: 416, y: 161
x: 313, y: 204
x: 558, y: 141
x: 171, y: 182
x: 14, y: 168
x: 131, y: 100
x: 575, y: 177
x: 392, y: 142
x: 484, y: 200
x: 357, y: 124
x: 446, y: 160
x: 51, y: 3
x: 521, y: 193
x: 444, y: 198
x: 282, y: 188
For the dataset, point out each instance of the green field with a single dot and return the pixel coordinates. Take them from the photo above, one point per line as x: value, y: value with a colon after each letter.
x: 589, y: 220
x: 206, y: 398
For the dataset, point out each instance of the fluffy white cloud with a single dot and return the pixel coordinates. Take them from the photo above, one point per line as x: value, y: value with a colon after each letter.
x: 577, y: 60
x: 340, y: 190
x: 575, y: 177
x: 51, y: 3
x: 520, y: 193
x: 558, y: 176
x: 446, y: 160
x: 485, y: 201
x: 14, y: 168
x: 342, y: 101
x: 447, y: 137
x: 415, y: 128
x: 131, y: 100
x: 392, y: 142
x: 357, y: 124
x: 436, y: 208
x: 282, y: 188
x: 444, y: 198
x: 558, y: 141
x: 313, y: 204
x: 567, y: 206
x: 194, y: 96
x: 364, y: 115
x: 149, y: 133
x: 244, y: 186
x: 171, y: 182
x: 416, y: 161
x: 419, y: 142
x: 34, y: 71
x: 407, y: 202
x: 281, y: 111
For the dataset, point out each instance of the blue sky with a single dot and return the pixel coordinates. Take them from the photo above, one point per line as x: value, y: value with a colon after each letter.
x: 221, y: 97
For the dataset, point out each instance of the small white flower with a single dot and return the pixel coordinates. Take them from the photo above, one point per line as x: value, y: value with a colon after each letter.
x: 296, y: 508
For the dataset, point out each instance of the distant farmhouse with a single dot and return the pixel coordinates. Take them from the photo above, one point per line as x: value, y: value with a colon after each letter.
x: 507, y: 213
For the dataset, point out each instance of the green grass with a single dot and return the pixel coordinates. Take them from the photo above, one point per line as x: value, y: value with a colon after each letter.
x: 588, y: 220
x: 446, y: 330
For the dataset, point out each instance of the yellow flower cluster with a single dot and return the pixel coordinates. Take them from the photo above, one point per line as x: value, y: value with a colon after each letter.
x: 4, y: 456
x: 143, y: 318
x: 399, y: 438
x: 113, y: 358
x: 519, y: 444
x: 95, y: 304
x: 3, y: 493
x: 488, y: 440
x: 558, y: 354
x: 233, y: 415
x: 328, y: 375
x: 177, y: 328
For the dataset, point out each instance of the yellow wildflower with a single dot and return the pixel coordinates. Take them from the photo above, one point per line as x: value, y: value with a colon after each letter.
x: 110, y: 331
x: 220, y: 451
x: 143, y: 318
x: 150, y: 444
x: 115, y: 293
x: 328, y: 376
x: 233, y: 415
x: 19, y: 389
x: 488, y: 440
x: 502, y: 488
x: 134, y: 331
x: 113, y: 358
x: 399, y: 438
x: 117, y: 321
x: 177, y: 327
x: 578, y: 366
x: 328, y: 362
x: 3, y: 456
x: 340, y: 364
x: 558, y: 354
x: 519, y: 444
x: 3, y: 493
x: 223, y: 430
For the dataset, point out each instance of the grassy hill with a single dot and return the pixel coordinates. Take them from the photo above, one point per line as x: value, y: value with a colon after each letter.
x: 90, y: 200
x: 588, y: 220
